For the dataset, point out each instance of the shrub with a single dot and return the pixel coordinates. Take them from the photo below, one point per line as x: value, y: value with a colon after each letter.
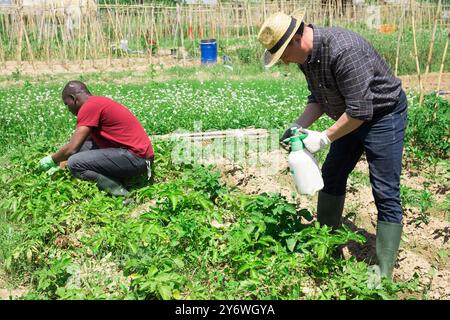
x: 428, y: 128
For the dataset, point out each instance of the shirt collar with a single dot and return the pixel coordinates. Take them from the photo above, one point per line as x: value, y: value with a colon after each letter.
x: 317, y: 44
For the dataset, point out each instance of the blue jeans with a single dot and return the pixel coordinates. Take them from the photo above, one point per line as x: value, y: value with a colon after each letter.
x: 382, y: 140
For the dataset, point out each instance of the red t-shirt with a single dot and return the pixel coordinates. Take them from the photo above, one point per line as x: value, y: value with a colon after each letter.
x: 114, y: 126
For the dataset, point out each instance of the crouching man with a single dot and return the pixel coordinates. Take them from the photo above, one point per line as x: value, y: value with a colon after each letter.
x: 109, y: 143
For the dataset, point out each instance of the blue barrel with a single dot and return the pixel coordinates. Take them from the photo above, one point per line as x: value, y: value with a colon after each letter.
x: 208, y: 50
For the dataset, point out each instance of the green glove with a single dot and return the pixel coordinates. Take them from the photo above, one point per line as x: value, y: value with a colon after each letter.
x: 47, y: 163
x: 51, y: 171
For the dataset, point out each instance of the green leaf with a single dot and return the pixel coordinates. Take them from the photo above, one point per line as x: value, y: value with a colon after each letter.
x: 266, y: 240
x: 165, y: 292
x: 179, y: 262
x: 133, y: 247
x: 321, y: 251
x: 206, y: 204
x: 176, y: 294
x: 174, y: 201
x: 306, y: 214
x: 291, y: 244
x: 253, y: 274
x: 245, y: 267
x: 29, y: 255
x: 8, y: 263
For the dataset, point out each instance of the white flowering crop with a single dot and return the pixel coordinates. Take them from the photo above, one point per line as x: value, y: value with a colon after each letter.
x: 34, y: 114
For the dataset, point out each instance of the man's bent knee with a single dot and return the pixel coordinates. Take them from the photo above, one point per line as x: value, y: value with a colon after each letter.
x: 73, y: 163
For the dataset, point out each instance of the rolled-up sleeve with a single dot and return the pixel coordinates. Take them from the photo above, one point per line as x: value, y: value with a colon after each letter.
x: 354, y: 74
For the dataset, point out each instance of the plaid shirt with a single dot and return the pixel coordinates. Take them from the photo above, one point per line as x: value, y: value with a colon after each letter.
x: 346, y: 74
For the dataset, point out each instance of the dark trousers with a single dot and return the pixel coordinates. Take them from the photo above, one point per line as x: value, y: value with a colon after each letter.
x: 382, y: 140
x: 115, y: 163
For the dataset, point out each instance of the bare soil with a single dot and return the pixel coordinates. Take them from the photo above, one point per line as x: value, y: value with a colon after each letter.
x: 98, y: 65
x: 7, y: 293
x: 429, y: 83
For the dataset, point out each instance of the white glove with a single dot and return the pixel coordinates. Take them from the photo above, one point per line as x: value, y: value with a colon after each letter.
x: 315, y: 140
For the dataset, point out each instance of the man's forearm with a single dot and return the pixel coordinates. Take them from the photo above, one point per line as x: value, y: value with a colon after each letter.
x: 312, y: 112
x: 63, y: 154
x: 344, y: 125
x: 80, y: 135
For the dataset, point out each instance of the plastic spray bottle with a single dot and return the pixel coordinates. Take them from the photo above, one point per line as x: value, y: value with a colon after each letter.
x: 303, y: 165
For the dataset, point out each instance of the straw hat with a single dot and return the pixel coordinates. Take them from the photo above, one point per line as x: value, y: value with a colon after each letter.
x: 276, y: 32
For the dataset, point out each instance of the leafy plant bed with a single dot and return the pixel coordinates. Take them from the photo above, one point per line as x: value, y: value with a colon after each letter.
x: 200, y: 239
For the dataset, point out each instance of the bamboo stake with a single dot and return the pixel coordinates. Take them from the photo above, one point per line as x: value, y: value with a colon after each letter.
x: 264, y: 10
x: 3, y: 45
x: 114, y: 33
x: 2, y: 52
x: 32, y: 37
x: 47, y: 36
x: 247, y: 15
x: 93, y: 40
x: 151, y: 32
x: 222, y: 23
x: 125, y: 34
x: 78, y: 47
x: 156, y: 31
x: 19, y: 42
x: 182, y: 34
x: 236, y: 21
x: 214, y: 33
x: 30, y: 50
x: 85, y: 35
x: 58, y: 43
x: 430, y: 52
x: 444, y: 56
x: 166, y: 23
x: 175, y: 39
x: 330, y: 22
x: 64, y: 47
x: 429, y: 14
x: 354, y: 14
x: 226, y: 20
x: 98, y: 37
x: 400, y: 33
x: 201, y: 25
x: 105, y: 44
x: 415, y: 47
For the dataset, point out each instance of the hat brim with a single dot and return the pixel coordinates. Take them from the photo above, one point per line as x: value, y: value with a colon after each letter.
x: 269, y: 59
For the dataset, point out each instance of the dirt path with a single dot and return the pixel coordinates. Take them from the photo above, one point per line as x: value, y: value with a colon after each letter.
x: 10, y: 68
x: 429, y: 83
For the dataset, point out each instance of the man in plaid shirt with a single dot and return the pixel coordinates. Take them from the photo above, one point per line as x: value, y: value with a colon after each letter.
x: 353, y: 85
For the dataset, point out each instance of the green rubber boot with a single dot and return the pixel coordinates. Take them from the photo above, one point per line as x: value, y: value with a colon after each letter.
x: 329, y: 209
x: 111, y: 186
x: 387, y: 244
